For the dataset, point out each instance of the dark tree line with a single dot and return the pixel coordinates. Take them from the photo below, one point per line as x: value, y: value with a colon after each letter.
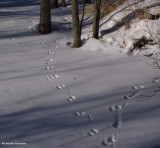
x: 45, y: 18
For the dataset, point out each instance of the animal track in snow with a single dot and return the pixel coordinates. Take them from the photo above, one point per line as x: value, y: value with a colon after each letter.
x: 156, y: 80
x: 50, y: 52
x: 138, y: 87
x: 68, y: 18
x: 49, y: 60
x: 41, y: 42
x: 71, y: 98
x: 93, y: 132
x: 127, y: 97
x: 117, y: 120
x: 49, y: 67
x: 133, y: 95
x: 138, y: 90
x: 21, y: 43
x: 109, y: 140
x: 69, y: 43
x: 65, y: 19
x: 61, y: 86
x: 52, y: 77
x: 54, y: 47
x: 79, y: 114
x: 117, y: 107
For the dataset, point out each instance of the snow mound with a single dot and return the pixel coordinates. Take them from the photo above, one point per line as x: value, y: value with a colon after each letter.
x: 107, y: 45
x: 35, y: 28
x: 94, y: 45
x: 101, y: 46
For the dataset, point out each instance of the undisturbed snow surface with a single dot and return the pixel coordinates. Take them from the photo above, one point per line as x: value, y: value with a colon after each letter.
x: 54, y: 96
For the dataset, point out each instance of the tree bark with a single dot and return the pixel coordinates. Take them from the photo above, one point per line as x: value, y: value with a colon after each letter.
x: 63, y: 3
x: 96, y: 18
x: 75, y: 21
x: 45, y: 17
x: 81, y: 22
x: 54, y: 4
x: 85, y: 2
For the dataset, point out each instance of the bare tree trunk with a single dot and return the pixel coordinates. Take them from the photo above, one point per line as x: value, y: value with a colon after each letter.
x: 63, y: 3
x: 96, y: 18
x: 45, y: 17
x: 85, y: 1
x: 75, y: 21
x: 81, y: 23
x: 54, y: 4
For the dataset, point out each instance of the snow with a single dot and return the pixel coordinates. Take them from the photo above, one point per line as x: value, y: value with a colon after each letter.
x: 55, y: 96
x: 122, y: 39
x: 100, y: 46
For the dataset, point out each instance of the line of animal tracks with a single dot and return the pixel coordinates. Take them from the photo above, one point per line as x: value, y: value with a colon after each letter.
x: 109, y: 140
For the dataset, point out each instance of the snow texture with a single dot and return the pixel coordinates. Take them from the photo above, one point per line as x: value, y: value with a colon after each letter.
x: 54, y: 96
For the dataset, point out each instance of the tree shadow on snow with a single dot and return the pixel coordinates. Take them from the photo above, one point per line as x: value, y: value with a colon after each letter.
x: 18, y: 3
x: 45, y: 122
x: 52, y: 122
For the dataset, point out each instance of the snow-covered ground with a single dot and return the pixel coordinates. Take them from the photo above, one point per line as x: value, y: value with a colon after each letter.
x: 54, y: 96
x: 113, y: 32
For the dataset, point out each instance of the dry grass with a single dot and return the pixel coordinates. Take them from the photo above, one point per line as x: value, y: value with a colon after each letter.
x: 127, y: 24
x: 159, y: 43
x: 89, y: 9
x: 108, y: 7
x: 140, y: 13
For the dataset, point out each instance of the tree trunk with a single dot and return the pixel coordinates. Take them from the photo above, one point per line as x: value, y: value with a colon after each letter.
x: 96, y: 18
x: 81, y: 22
x: 45, y: 17
x: 85, y: 2
x: 63, y: 3
x: 75, y: 21
x: 54, y: 4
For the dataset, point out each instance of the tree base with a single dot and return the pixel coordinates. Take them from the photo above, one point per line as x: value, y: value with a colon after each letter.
x: 44, y: 29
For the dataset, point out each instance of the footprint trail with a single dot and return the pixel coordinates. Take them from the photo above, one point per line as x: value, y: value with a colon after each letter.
x: 110, y: 140
x: 93, y: 132
x: 117, y: 121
